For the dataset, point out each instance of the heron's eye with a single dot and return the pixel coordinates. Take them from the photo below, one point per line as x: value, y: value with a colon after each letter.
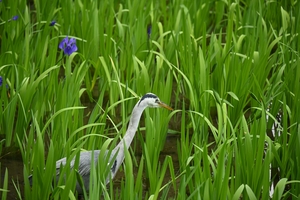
x: 156, y: 101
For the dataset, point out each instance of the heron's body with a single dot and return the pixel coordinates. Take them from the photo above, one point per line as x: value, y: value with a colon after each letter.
x: 118, y: 153
x: 84, y: 167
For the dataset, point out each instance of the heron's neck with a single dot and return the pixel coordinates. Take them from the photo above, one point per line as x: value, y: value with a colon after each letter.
x: 131, y: 130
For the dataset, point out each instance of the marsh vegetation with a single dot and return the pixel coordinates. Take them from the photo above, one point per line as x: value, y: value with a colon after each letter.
x: 71, y: 72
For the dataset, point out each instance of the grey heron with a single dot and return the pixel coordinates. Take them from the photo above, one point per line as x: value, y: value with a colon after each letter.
x: 118, y: 153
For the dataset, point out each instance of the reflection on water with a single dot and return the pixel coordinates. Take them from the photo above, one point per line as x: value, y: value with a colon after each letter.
x: 14, y: 164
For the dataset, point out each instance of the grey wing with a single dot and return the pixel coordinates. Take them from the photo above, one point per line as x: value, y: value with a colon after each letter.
x: 84, y: 162
x: 62, y: 162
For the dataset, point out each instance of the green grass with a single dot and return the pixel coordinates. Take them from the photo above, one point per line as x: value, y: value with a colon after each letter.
x: 228, y: 68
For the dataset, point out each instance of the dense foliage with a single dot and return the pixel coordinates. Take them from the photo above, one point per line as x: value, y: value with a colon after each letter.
x: 229, y: 68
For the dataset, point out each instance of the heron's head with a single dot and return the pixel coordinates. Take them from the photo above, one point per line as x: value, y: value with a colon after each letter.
x: 151, y: 100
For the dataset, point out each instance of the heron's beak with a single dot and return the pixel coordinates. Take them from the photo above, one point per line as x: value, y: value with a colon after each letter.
x: 165, y: 106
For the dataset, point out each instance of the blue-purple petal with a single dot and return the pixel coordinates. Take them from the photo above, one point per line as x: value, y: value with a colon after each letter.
x: 74, y: 48
x: 68, y: 46
x: 72, y: 40
x: 52, y: 23
x: 16, y: 17
x: 68, y: 50
x: 63, y: 43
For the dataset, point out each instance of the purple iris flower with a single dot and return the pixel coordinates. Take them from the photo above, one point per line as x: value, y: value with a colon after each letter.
x: 16, y: 17
x: 52, y: 23
x: 69, y: 46
x: 1, y: 80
